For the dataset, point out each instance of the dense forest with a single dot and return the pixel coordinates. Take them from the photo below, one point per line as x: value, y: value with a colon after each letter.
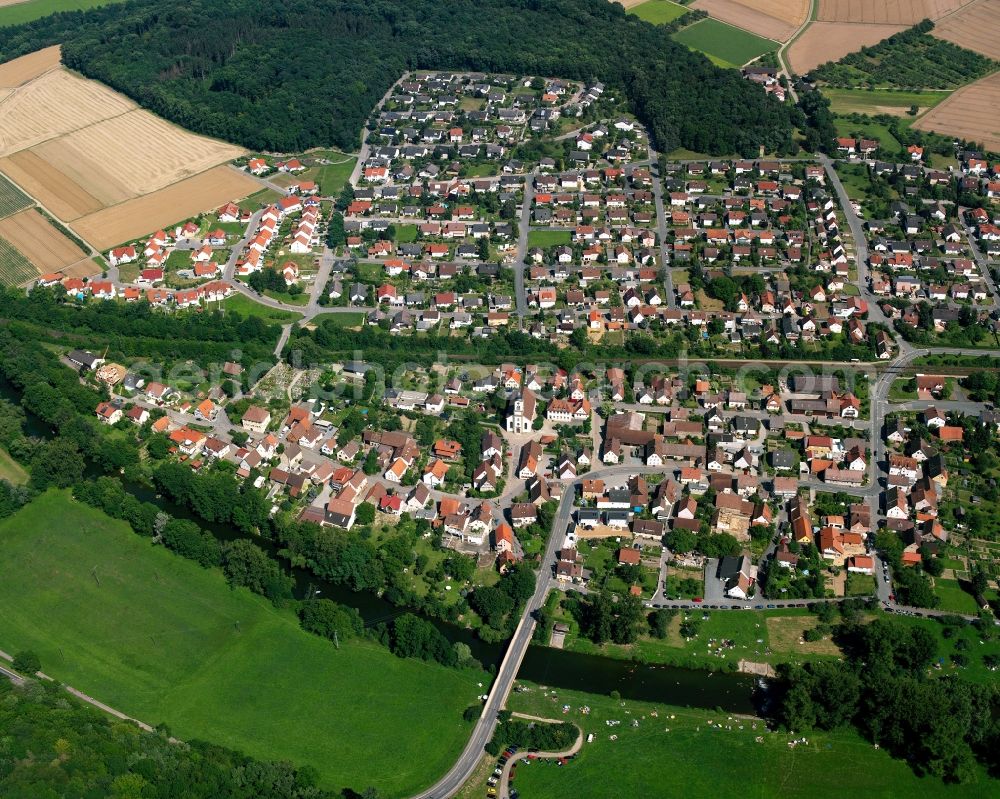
x: 309, y: 72
x: 54, y: 746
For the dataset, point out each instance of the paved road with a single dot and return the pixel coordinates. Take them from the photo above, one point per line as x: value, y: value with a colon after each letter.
x: 857, y: 231
x: 977, y: 254
x: 452, y: 782
x: 13, y: 676
x: 365, y: 151
x: 524, y: 228
x: 783, y: 63
x: 661, y: 228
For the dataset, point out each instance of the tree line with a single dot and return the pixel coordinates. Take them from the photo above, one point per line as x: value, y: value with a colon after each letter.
x: 137, y: 330
x: 885, y: 687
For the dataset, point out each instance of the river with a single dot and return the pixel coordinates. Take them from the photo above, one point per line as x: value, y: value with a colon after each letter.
x: 556, y: 668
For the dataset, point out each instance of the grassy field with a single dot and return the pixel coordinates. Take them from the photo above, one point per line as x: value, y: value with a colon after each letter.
x: 370, y: 272
x: 724, y: 44
x: 658, y: 11
x: 291, y: 299
x: 405, y: 234
x: 332, y: 177
x: 860, y: 585
x: 247, y: 307
x: 868, y: 130
x: 161, y: 639
x: 954, y: 598
x: 11, y: 470
x: 775, y: 636
x: 15, y: 269
x: 341, y: 319
x: 12, y: 199
x: 723, y: 639
x: 855, y: 180
x: 881, y: 101
x: 35, y: 9
x: 680, y: 753
x: 259, y: 199
x: 548, y: 238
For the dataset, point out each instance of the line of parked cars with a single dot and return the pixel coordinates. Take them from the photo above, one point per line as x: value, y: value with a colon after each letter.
x: 494, y: 778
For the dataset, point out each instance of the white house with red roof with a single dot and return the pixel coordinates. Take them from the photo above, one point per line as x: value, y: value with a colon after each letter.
x: 122, y: 255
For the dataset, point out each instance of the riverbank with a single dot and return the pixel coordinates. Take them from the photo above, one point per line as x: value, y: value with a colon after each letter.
x: 698, y: 753
x: 716, y: 640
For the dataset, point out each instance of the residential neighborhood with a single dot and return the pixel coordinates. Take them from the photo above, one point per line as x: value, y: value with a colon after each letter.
x: 522, y: 383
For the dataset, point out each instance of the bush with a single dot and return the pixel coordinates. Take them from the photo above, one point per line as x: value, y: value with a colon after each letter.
x: 27, y: 662
x: 330, y: 620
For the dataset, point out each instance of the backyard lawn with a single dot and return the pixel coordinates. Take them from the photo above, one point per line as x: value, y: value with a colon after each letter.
x: 164, y: 640
x: 860, y: 585
x: 548, y: 238
x: 868, y: 130
x: 701, y: 753
x: 406, y: 234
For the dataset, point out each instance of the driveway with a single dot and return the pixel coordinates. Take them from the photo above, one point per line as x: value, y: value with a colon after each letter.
x: 713, y: 585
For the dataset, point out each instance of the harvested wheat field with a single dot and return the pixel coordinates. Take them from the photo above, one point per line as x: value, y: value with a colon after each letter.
x: 970, y: 113
x: 629, y: 3
x: 885, y: 12
x: 975, y: 27
x: 132, y: 154
x: 774, y: 19
x: 49, y: 186
x: 52, y: 105
x: 831, y: 41
x: 25, y: 68
x: 91, y: 155
x: 39, y: 241
x: 85, y: 268
x: 134, y: 218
